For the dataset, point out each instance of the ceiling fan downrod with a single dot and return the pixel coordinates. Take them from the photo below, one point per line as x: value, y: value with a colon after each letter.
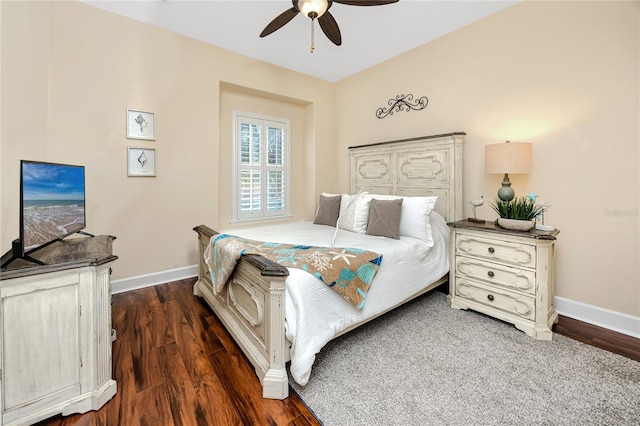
x: 313, y: 16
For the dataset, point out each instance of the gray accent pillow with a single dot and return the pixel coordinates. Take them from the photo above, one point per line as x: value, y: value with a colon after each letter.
x: 384, y: 218
x: 328, y: 210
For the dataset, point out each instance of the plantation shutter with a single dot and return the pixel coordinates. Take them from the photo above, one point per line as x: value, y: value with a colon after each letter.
x: 262, y: 176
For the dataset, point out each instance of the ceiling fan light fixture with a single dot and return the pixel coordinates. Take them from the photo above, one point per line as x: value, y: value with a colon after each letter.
x: 313, y: 8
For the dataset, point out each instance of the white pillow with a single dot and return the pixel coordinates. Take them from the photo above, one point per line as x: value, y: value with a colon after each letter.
x: 414, y: 220
x: 354, y: 212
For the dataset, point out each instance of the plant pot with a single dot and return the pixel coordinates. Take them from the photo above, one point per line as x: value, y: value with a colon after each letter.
x: 515, y: 224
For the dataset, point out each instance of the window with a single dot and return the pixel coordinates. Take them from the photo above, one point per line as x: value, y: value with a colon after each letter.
x: 261, y: 174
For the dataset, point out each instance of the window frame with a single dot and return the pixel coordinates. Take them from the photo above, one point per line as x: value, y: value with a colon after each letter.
x: 239, y: 118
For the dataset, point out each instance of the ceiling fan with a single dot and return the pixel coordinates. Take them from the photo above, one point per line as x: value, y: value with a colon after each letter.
x: 318, y: 9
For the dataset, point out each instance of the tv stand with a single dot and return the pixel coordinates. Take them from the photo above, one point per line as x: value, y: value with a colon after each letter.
x: 12, y: 255
x: 16, y: 250
x: 55, y: 332
x: 25, y: 257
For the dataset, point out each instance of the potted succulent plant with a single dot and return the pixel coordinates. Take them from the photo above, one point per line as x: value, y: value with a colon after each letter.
x: 517, y: 214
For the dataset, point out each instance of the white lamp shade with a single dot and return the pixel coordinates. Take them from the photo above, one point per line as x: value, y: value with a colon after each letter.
x: 318, y: 6
x: 508, y: 157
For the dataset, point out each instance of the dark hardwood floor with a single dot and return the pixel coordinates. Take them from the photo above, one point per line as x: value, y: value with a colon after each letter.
x: 602, y: 338
x: 175, y: 364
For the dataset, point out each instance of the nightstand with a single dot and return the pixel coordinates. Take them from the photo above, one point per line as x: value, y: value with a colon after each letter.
x: 506, y: 274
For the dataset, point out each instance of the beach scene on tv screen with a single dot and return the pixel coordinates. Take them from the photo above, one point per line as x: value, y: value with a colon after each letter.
x: 53, y: 202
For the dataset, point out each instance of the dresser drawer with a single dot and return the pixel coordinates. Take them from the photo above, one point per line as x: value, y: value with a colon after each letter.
x: 520, y: 305
x: 496, y: 250
x: 510, y: 277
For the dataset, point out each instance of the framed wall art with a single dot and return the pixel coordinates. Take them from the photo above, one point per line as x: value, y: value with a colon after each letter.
x: 141, y: 125
x: 141, y: 161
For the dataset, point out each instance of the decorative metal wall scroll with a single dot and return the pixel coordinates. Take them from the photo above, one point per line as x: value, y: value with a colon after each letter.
x: 400, y: 103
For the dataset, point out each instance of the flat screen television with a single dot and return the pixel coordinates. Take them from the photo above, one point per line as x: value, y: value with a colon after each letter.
x: 52, y: 204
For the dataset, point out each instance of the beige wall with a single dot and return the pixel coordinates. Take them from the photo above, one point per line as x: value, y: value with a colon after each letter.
x: 562, y: 75
x: 70, y: 71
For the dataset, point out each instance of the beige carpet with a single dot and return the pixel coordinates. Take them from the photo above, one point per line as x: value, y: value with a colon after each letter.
x: 427, y: 364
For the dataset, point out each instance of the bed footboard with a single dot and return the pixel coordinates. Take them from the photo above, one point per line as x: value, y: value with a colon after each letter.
x: 251, y: 307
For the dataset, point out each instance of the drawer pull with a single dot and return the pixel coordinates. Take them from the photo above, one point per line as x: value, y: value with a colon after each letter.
x: 490, y: 297
x: 490, y: 273
x: 491, y: 250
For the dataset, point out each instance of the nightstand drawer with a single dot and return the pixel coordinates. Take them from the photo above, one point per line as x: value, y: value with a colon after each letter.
x: 497, y: 250
x: 494, y: 273
x: 522, y: 306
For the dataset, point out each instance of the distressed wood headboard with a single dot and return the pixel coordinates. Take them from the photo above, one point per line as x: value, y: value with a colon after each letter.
x: 423, y: 166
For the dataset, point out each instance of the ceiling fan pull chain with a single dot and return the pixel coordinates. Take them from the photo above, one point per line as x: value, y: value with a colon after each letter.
x: 313, y: 44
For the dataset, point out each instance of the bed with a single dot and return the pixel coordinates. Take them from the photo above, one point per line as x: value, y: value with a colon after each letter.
x: 253, y: 302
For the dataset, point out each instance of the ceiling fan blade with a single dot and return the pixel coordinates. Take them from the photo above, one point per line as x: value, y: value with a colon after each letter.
x: 365, y: 2
x: 330, y: 28
x: 279, y: 21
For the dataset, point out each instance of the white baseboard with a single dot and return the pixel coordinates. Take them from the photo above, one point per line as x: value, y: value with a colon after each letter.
x: 605, y: 318
x: 154, y: 278
x: 601, y: 317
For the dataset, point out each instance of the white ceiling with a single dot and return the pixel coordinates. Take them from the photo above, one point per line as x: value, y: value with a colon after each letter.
x: 370, y: 35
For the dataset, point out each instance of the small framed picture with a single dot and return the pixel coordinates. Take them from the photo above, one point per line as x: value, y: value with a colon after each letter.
x: 141, y: 125
x: 142, y: 161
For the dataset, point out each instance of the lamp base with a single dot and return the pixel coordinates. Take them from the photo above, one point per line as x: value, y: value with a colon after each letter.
x: 506, y: 193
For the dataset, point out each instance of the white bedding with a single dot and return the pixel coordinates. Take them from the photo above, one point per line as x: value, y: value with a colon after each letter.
x: 315, y: 314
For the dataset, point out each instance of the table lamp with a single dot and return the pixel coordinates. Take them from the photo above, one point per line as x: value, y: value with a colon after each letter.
x: 507, y: 158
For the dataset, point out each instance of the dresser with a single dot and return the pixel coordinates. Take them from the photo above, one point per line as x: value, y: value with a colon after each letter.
x: 55, y: 333
x: 505, y: 274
